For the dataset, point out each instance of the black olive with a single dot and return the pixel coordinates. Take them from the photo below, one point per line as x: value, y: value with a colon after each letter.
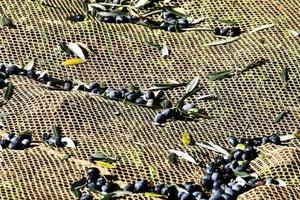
x: 133, y: 18
x: 2, y: 83
x: 149, y: 95
x: 168, y: 15
x: 121, y: 19
x: 169, y: 113
x: 247, y: 156
x: 238, y: 154
x: 31, y: 74
x: 198, y: 194
x: 92, y: 185
x: 150, y: 102
x: 4, y: 143
x: 234, y: 31
x: 227, y: 196
x: 100, y: 182
x: 217, y: 31
x: 224, y: 31
x: 216, y: 176
x: 187, y: 196
x: 164, y: 26
x: 172, y: 21
x: 249, y: 142
x: 114, y: 94
x: 12, y: 70
x: 183, y: 22
x: 67, y: 86
x: 76, y: 18
x: 265, y: 140
x: 50, y: 84
x: 2, y: 67
x: 217, y: 184
x: 108, y: 19
x: 14, y: 145
x: 93, y: 173
x: 191, y: 187
x: 165, y: 191
x: 86, y: 197
x: 275, y: 139
x: 107, y: 188
x: 140, y: 101
x: 141, y: 186
x: 160, y: 118
x: 237, y: 188
x: 129, y: 187
x: 207, y: 182
x: 171, y: 28
x: 158, y: 188
x: 26, y: 142
x: 229, y: 191
x: 94, y: 85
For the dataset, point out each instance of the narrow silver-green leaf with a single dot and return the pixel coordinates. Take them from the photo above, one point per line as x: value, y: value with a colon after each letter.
x: 177, y: 11
x: 142, y: 3
x: 192, y: 84
x: 56, y: 131
x: 294, y: 33
x: 220, y: 75
x: 279, y: 117
x: 165, y: 51
x: 29, y: 65
x: 184, y: 155
x: 241, y: 174
x: 75, y: 48
x: 226, y: 21
x: 262, y: 27
x: 9, y: 91
x: 223, y: 41
x: 284, y: 75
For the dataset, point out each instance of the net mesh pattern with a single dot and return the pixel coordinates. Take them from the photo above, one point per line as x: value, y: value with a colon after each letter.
x: 122, y: 56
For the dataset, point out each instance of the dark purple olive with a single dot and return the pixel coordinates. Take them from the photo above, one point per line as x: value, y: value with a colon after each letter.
x: 227, y: 196
x: 31, y: 74
x: 92, y: 185
x: 217, y: 31
x: 140, y: 101
x: 94, y: 85
x: 141, y: 186
x: 187, y: 196
x: 224, y: 31
x: 121, y: 19
x: 160, y: 118
x: 238, y: 154
x: 233, y: 141
x: 171, y: 28
x: 164, y: 26
x: 207, y: 182
x: 191, y: 187
x: 165, y: 191
x: 114, y: 94
x: 108, y: 19
x: 2, y: 83
x: 76, y: 18
x: 237, y: 188
x: 2, y: 67
x: 169, y: 113
x: 198, y: 194
x: 12, y: 70
x: 234, y: 31
x: 265, y: 140
x: 217, y: 184
x: 129, y: 187
x: 249, y: 142
x: 4, y: 143
x: 183, y: 22
x: 86, y: 197
x: 158, y: 188
x: 107, y: 188
x: 149, y: 95
x: 133, y: 18
x: 275, y: 139
x: 229, y: 191
x: 168, y: 15
x: 93, y: 173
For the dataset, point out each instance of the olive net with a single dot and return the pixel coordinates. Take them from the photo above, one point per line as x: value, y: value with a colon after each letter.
x: 122, y: 56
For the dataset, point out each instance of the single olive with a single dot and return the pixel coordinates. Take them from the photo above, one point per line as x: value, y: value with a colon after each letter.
x: 224, y: 31
x: 76, y: 18
x: 129, y: 187
x: 141, y: 186
x: 217, y: 31
x: 12, y: 70
x: 86, y: 197
x: 160, y: 118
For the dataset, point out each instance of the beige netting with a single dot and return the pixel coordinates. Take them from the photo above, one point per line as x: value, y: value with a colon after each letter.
x: 122, y: 57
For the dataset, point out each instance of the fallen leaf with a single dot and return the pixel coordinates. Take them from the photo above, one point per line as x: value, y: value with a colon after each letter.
x: 222, y: 42
x: 106, y: 165
x: 68, y: 142
x: 73, y: 61
x: 76, y: 50
x: 141, y: 3
x: 165, y: 51
x: 294, y: 33
x: 186, y: 138
x: 29, y: 65
x: 262, y: 27
x: 192, y: 85
x: 184, y: 155
x: 84, y: 46
x: 152, y: 194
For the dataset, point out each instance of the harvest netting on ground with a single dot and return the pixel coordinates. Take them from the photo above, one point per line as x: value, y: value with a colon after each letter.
x: 246, y: 106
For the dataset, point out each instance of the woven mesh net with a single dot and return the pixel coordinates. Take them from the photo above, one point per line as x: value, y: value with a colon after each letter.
x: 122, y: 57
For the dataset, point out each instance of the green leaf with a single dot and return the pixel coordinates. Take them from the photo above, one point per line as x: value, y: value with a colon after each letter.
x: 153, y: 172
x: 65, y: 157
x: 177, y: 11
x: 241, y: 174
x: 110, y: 13
x: 75, y: 187
x: 284, y: 75
x: 177, y: 27
x: 192, y: 84
x: 223, y: 41
x: 56, y: 131
x: 279, y: 117
x: 165, y: 86
x: 7, y: 22
x: 116, y: 194
x: 106, y: 164
x: 152, y: 194
x: 166, y: 104
x: 86, y: 7
x: 131, y: 87
x: 29, y: 65
x: 297, y: 135
x: 256, y: 63
x: 262, y: 27
x: 9, y: 91
x: 220, y: 75
x: 226, y: 21
x: 191, y: 93
x: 241, y: 146
x: 142, y: 3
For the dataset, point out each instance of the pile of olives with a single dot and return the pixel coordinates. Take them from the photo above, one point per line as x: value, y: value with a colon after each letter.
x: 171, y: 20
x: 119, y: 19
x: 17, y: 142
x: 228, y: 31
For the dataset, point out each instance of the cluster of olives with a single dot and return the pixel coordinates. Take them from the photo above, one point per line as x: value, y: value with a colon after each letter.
x: 175, y: 113
x: 119, y: 19
x: 171, y: 20
x: 17, y: 142
x: 228, y: 31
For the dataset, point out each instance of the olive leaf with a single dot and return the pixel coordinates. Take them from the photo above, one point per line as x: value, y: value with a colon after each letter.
x: 220, y: 74
x: 76, y: 50
x: 154, y: 45
x: 68, y: 142
x: 196, y: 21
x: 207, y: 97
x: 116, y: 194
x: 75, y: 187
x: 84, y: 46
x: 56, y: 131
x: 7, y: 22
x: 226, y: 21
x: 103, y: 157
x: 65, y: 157
x: 9, y: 91
x: 256, y: 63
x: 153, y: 172
x: 142, y: 3
x: 106, y: 164
x: 152, y: 12
x: 177, y: 11
x: 152, y: 194
x: 29, y: 65
x: 165, y: 51
x: 262, y: 27
x: 101, y: 7
x: 241, y: 174
x: 223, y: 41
x: 192, y: 84
x: 198, y: 113
x: 294, y: 33
x: 166, y: 104
x: 279, y: 117
x: 165, y: 86
x: 284, y: 75
x: 180, y: 189
x: 213, y: 147
x: 86, y: 7
x: 177, y: 27
x: 131, y: 87
x: 186, y: 138
x: 184, y: 155
x: 64, y: 48
x: 73, y: 61
x: 191, y: 93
